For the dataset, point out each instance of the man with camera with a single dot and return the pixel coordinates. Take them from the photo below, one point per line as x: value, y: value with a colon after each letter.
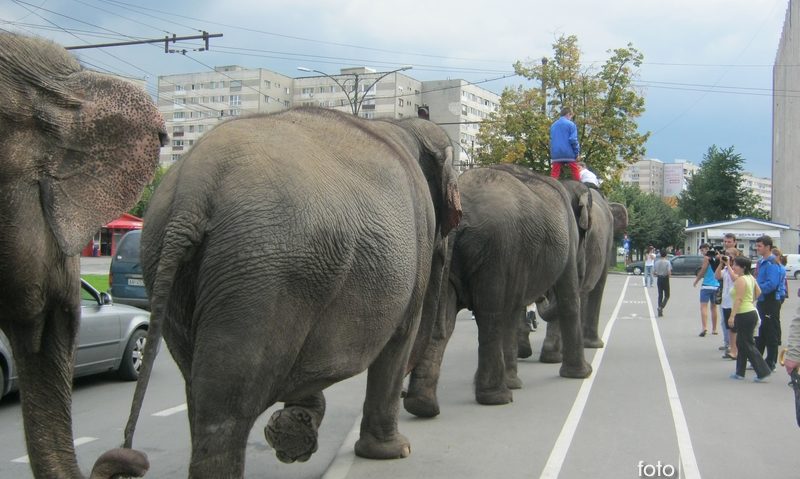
x: 708, y: 289
x: 770, y: 281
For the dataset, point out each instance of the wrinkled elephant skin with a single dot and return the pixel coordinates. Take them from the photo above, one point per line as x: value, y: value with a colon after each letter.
x: 285, y: 253
x: 77, y: 147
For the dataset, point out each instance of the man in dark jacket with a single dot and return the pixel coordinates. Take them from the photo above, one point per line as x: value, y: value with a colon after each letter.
x: 768, y: 305
x: 564, y: 146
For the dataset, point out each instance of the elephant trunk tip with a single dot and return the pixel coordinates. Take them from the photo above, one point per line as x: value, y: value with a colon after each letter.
x: 120, y: 463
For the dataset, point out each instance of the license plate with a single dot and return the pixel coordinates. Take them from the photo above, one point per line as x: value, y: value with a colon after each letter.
x: 135, y: 282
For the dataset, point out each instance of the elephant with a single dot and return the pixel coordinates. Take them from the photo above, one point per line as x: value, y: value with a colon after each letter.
x: 77, y: 149
x: 606, y: 219
x: 517, y: 239
x: 287, y: 252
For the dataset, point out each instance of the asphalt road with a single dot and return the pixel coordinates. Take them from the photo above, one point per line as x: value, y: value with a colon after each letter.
x: 659, y: 395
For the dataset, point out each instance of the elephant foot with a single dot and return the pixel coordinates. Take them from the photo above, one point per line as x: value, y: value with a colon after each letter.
x: 578, y: 372
x: 292, y: 432
x: 593, y: 343
x: 421, y: 406
x: 551, y: 356
x: 120, y: 463
x: 513, y: 382
x: 524, y: 349
x: 494, y: 397
x: 368, y: 446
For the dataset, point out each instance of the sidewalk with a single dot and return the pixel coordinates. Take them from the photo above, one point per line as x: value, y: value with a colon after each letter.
x: 95, y: 265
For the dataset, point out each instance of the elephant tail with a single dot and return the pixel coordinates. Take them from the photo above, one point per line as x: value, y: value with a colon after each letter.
x: 177, y: 244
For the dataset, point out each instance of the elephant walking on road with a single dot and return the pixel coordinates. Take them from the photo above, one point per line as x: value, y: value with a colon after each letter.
x: 597, y: 247
x: 285, y: 253
x: 76, y: 150
x: 517, y: 240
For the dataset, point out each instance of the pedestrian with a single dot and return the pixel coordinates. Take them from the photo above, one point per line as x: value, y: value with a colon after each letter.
x: 588, y: 177
x: 770, y: 281
x: 724, y: 273
x: 649, y: 262
x: 662, y: 270
x: 708, y: 290
x: 564, y: 147
x: 744, y: 318
x: 727, y: 276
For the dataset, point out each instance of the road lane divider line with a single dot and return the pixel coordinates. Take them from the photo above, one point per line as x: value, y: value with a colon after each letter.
x: 343, y: 461
x: 77, y: 442
x: 689, y: 468
x: 559, y: 452
x: 171, y: 411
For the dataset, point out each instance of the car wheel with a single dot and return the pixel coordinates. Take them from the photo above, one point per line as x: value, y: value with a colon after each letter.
x: 132, y: 358
x: 637, y: 270
x: 797, y: 274
x: 2, y: 382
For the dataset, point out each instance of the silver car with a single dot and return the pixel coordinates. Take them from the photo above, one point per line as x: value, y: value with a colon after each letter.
x: 111, y: 338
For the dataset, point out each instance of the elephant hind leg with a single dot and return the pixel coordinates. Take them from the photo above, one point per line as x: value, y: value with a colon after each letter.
x: 292, y: 431
x: 491, y: 379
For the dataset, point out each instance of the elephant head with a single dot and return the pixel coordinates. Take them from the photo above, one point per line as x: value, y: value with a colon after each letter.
x: 77, y: 148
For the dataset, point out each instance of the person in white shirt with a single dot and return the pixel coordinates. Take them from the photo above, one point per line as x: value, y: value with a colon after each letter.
x: 649, y: 262
x: 587, y: 176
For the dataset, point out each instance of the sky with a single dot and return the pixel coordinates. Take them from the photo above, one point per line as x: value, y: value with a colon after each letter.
x: 706, y: 76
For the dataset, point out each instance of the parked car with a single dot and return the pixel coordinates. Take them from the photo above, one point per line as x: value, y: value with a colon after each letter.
x: 683, y: 264
x: 687, y: 264
x: 635, y: 267
x: 793, y: 266
x: 111, y: 338
x: 125, y: 280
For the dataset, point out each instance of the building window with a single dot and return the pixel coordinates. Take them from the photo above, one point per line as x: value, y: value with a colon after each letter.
x: 267, y: 84
x: 179, y: 88
x: 178, y: 115
x: 201, y: 128
x: 307, y: 91
x: 236, y: 85
x: 176, y: 157
x: 399, y: 102
x: 235, y: 112
x: 235, y: 100
x: 191, y: 128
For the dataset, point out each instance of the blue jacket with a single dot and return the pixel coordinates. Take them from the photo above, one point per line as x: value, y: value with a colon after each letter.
x: 564, y: 140
x: 769, y: 277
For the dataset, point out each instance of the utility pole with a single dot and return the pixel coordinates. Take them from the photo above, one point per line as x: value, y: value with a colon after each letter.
x: 544, y: 87
x: 205, y: 36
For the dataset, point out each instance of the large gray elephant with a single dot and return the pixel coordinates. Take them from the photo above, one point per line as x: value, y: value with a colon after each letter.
x: 597, y: 247
x: 287, y: 252
x: 517, y: 240
x: 77, y: 148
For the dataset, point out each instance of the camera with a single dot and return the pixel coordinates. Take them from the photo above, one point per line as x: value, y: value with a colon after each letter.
x: 714, y: 251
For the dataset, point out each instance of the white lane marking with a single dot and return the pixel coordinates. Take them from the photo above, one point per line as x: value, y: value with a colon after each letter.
x: 688, y: 460
x: 78, y: 442
x: 171, y: 411
x: 556, y: 460
x: 340, y: 466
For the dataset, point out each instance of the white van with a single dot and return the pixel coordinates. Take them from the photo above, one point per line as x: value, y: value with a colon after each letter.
x: 793, y: 266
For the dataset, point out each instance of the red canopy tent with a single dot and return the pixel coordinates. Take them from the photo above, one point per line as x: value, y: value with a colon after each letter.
x: 105, y: 241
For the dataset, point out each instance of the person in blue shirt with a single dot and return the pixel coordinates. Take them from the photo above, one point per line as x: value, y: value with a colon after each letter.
x: 771, y: 282
x: 564, y: 146
x: 708, y: 290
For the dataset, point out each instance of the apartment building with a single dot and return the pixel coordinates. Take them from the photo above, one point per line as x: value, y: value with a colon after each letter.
x: 193, y: 103
x: 785, y: 141
x: 459, y: 107
x: 668, y: 180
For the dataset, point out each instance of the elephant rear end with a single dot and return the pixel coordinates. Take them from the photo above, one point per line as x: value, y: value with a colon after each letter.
x: 284, y: 253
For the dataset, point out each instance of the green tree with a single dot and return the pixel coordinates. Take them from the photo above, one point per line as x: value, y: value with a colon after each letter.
x: 605, y: 104
x: 650, y: 220
x: 141, y: 206
x: 717, y: 191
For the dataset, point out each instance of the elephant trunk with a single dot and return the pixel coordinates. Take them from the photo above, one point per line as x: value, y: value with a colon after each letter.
x: 45, y: 380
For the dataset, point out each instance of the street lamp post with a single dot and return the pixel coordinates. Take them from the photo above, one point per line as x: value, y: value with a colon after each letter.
x: 355, y: 102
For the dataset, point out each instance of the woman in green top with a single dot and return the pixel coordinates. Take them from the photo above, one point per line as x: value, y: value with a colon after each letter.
x: 744, y: 317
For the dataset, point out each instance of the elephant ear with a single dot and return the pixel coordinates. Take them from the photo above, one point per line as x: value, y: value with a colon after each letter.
x: 620, y: 214
x: 451, y: 216
x: 585, y: 210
